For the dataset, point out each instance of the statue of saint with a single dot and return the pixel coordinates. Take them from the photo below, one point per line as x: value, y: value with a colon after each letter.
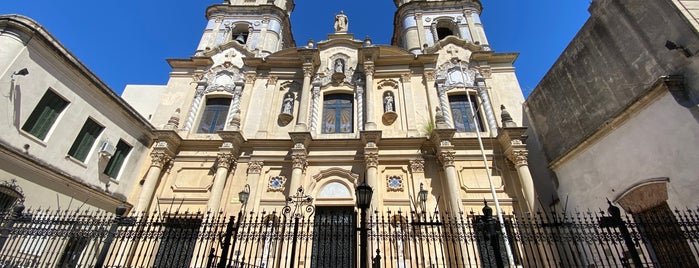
x: 339, y: 66
x: 288, y: 104
x: 388, y: 103
x: 341, y: 23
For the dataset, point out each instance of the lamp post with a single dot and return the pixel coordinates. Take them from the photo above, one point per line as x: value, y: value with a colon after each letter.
x: 364, y: 193
x: 232, y: 230
x: 480, y: 83
x: 422, y: 197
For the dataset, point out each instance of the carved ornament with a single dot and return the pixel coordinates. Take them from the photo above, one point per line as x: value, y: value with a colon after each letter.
x: 417, y: 165
x: 159, y: 159
x: 255, y: 167
x: 446, y: 158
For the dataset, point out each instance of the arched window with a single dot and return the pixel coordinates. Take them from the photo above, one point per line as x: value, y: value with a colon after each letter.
x: 464, y: 119
x: 240, y: 33
x: 214, y: 117
x: 338, y: 113
x: 445, y: 27
x: 443, y: 32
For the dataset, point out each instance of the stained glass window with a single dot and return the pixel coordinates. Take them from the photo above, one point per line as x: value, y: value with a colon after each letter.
x: 338, y: 114
x: 464, y: 120
x: 214, y: 117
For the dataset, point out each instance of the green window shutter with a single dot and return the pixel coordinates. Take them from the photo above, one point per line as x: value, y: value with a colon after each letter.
x: 117, y: 160
x: 85, y: 139
x: 44, y: 115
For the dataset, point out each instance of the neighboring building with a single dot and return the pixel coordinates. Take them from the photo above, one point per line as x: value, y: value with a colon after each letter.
x: 68, y: 140
x: 617, y: 115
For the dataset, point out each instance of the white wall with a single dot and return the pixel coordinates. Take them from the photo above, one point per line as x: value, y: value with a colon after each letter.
x: 661, y: 140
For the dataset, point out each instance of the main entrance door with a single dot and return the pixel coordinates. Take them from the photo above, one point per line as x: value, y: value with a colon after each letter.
x: 334, y: 238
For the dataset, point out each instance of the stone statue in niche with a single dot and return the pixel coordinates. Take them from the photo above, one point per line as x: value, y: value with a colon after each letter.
x: 388, y: 104
x: 339, y: 66
x: 288, y: 103
x: 341, y: 22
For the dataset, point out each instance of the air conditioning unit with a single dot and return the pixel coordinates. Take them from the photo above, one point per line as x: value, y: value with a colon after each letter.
x: 107, y: 149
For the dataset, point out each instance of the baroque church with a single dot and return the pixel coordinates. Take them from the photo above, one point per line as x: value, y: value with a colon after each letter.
x: 437, y: 110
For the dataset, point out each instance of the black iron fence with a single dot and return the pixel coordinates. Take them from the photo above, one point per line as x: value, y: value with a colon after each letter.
x: 328, y: 237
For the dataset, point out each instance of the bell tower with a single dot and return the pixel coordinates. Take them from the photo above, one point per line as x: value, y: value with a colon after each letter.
x: 260, y: 26
x: 421, y: 24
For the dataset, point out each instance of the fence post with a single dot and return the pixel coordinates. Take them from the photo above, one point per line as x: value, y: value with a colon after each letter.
x: 16, y: 214
x: 227, y: 239
x: 120, y: 210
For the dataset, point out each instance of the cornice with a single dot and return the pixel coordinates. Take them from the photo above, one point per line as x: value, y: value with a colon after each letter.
x: 192, y: 62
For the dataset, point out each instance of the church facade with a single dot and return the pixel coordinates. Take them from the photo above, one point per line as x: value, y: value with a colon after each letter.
x: 250, y: 111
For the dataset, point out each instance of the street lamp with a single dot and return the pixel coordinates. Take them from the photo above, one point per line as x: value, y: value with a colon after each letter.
x: 364, y: 193
x: 422, y: 197
x: 244, y: 195
x: 231, y: 229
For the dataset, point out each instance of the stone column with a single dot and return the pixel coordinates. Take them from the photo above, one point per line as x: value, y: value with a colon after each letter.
x: 254, y: 170
x: 302, y: 118
x: 299, y: 163
x: 444, y: 103
x: 159, y: 159
x: 441, y: 137
x: 432, y: 98
x: 196, y: 103
x: 510, y: 138
x: 371, y: 158
x: 225, y: 162
x: 315, y: 110
x: 487, y: 108
x: 446, y: 158
x: 471, y: 26
x: 369, y: 92
x: 421, y: 38
x: 519, y: 158
x: 417, y: 169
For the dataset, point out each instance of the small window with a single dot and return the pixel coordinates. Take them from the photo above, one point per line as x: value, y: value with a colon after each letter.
x: 117, y: 160
x: 337, y: 113
x: 85, y: 140
x: 214, y: 117
x: 464, y: 119
x: 44, y: 115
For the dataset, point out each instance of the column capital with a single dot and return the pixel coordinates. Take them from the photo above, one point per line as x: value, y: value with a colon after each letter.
x: 368, y: 69
x: 255, y: 167
x: 371, y: 158
x: 518, y: 157
x: 299, y: 161
x: 224, y: 160
x: 159, y: 159
x: 429, y: 76
x: 307, y: 70
x: 446, y: 158
x: 417, y: 165
x: 405, y: 77
x: 250, y: 77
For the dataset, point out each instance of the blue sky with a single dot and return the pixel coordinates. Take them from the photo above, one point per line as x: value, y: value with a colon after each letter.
x: 127, y: 42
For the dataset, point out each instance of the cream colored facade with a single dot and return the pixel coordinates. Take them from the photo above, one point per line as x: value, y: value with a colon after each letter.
x: 279, y: 134
x: 42, y: 166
